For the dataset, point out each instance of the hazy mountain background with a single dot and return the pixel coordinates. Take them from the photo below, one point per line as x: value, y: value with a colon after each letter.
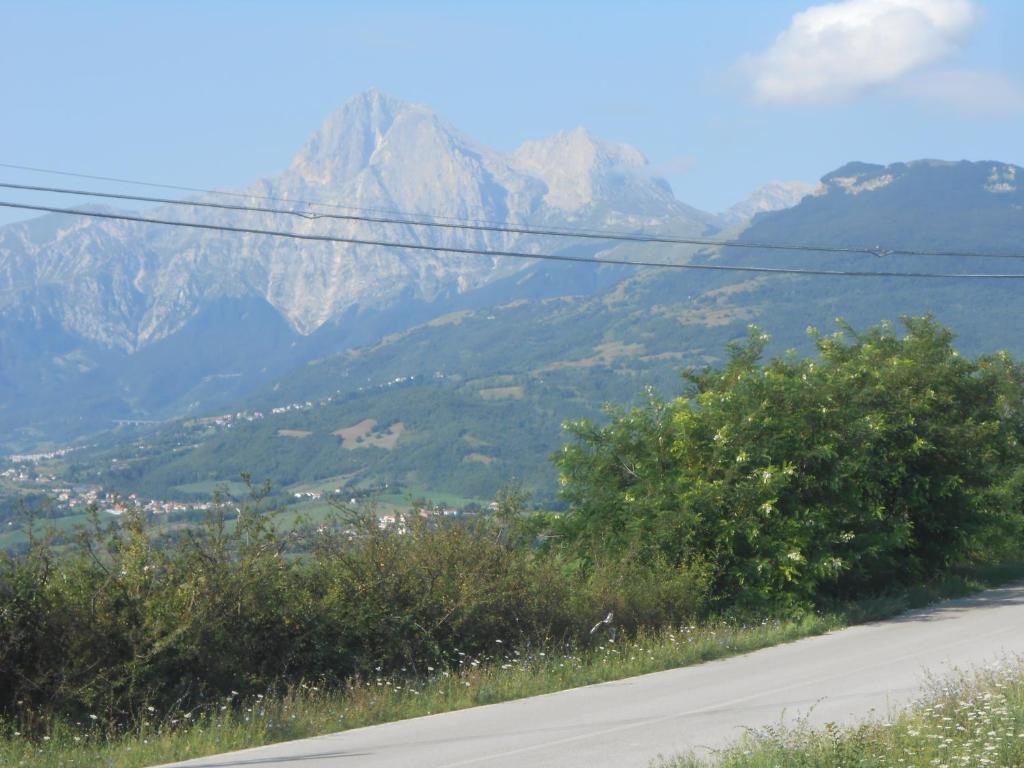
x: 103, y: 320
x: 443, y: 372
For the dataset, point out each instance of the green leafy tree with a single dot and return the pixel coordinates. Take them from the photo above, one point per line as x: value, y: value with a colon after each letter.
x: 877, y: 461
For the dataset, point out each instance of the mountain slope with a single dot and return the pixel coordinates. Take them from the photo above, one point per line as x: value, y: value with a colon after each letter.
x: 773, y: 196
x: 101, y: 293
x: 481, y: 393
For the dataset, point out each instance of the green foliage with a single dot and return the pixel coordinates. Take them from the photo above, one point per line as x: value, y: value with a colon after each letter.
x: 108, y: 626
x: 769, y: 486
x: 883, y: 460
x: 307, y: 710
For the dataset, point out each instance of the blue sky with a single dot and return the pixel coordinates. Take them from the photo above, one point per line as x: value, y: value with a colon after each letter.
x: 721, y: 97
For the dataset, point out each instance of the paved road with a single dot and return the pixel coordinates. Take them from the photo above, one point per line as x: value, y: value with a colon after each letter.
x: 840, y: 677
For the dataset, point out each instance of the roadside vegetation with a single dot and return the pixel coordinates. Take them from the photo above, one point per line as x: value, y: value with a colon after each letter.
x: 307, y: 709
x: 772, y: 501
x: 966, y: 721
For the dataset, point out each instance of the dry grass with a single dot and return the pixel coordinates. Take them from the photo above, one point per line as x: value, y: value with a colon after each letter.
x: 351, y: 434
x: 736, y: 288
x: 706, y: 317
x: 604, y: 354
x: 502, y: 393
x: 363, y: 435
x: 453, y: 318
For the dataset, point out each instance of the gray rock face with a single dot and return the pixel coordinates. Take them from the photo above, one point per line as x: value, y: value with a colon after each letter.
x: 126, y: 285
x: 773, y: 196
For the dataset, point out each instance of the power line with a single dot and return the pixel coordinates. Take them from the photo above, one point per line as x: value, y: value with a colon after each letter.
x: 169, y: 201
x: 503, y: 228
x: 522, y: 230
x: 506, y: 254
x: 251, y: 196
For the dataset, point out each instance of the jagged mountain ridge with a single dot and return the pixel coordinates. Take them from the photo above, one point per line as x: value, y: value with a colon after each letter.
x: 127, y: 285
x: 94, y: 313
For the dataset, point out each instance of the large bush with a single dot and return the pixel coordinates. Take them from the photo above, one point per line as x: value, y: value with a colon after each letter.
x: 881, y: 460
x: 123, y: 620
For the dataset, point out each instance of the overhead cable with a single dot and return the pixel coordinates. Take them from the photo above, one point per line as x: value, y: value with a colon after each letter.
x: 523, y: 230
x: 504, y: 254
x: 502, y: 228
x: 247, y: 195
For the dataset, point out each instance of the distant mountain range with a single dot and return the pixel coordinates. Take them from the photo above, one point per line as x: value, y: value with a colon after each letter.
x: 472, y: 399
x: 465, y: 365
x: 103, y: 320
x: 128, y: 285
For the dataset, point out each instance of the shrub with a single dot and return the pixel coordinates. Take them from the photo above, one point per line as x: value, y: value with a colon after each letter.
x: 883, y: 460
x: 124, y: 620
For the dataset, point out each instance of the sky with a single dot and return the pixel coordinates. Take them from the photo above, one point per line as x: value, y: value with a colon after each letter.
x: 721, y: 97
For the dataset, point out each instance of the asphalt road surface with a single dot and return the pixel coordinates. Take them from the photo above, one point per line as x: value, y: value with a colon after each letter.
x: 841, y: 677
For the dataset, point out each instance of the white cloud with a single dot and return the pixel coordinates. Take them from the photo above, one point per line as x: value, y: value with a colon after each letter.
x: 832, y: 52
x: 970, y: 90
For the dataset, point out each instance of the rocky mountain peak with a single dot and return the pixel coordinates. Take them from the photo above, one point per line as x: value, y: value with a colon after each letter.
x: 349, y: 137
x: 375, y: 153
x: 579, y: 147
x: 773, y: 196
x: 576, y: 166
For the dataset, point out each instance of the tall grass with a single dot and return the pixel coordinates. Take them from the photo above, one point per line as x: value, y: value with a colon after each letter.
x: 505, y: 673
x: 309, y: 709
x: 360, y: 630
x: 965, y: 721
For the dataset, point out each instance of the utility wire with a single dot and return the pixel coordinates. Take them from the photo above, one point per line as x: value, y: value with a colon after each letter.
x: 507, y: 254
x: 510, y: 229
x: 251, y: 196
